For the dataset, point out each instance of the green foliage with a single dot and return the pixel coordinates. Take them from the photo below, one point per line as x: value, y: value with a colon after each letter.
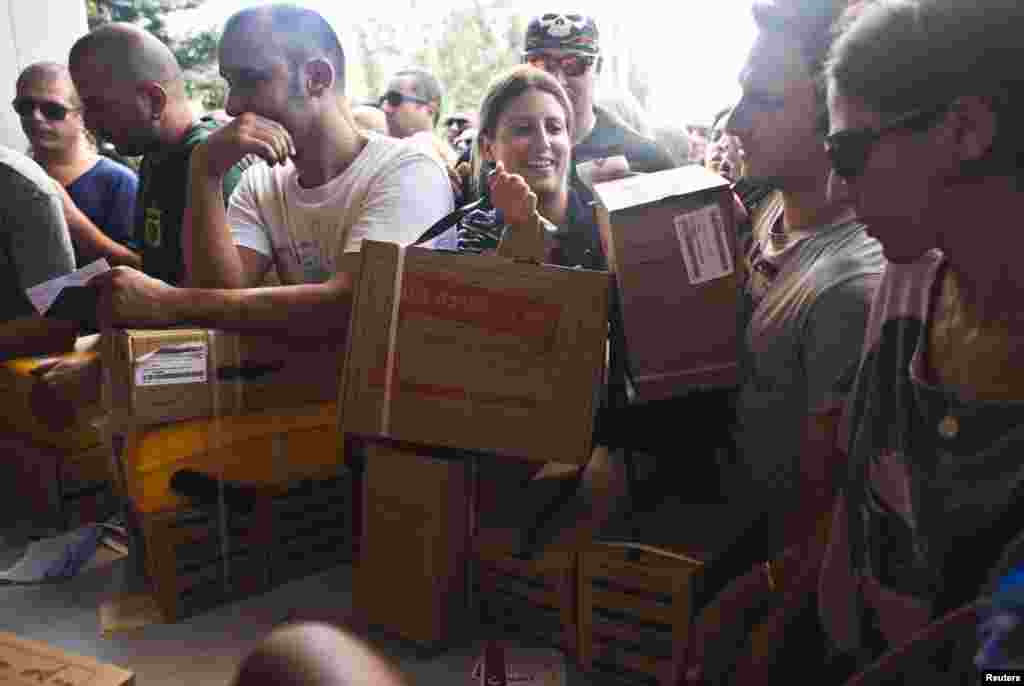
x: 474, y: 46
x: 195, y: 52
x: 465, y: 50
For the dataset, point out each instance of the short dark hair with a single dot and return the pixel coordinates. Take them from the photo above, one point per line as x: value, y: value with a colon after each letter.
x: 809, y: 23
x: 426, y: 87
x: 902, y: 55
x: 306, y: 35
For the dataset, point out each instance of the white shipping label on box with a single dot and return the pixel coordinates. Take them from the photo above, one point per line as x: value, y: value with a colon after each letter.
x: 172, y: 364
x: 704, y: 244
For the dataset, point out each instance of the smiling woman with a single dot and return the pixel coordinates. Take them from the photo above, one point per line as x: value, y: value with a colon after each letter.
x: 524, y: 144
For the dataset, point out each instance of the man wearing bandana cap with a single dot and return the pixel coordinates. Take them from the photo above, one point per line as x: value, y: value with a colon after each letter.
x: 567, y: 45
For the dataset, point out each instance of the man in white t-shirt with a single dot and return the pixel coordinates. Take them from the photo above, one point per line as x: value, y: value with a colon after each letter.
x: 326, y: 185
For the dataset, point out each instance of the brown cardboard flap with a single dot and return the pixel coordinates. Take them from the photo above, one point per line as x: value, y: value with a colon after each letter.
x: 30, y: 663
x: 645, y: 189
x: 481, y: 353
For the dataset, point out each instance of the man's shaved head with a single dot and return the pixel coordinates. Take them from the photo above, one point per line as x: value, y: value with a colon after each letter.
x: 131, y: 88
x: 129, y: 54
x: 301, y: 33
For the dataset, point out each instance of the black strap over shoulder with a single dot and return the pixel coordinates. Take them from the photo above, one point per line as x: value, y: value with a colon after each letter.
x: 446, y: 222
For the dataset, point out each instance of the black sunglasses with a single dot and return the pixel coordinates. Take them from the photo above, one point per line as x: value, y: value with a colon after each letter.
x: 458, y: 121
x: 850, y: 150
x: 53, y: 111
x: 394, y: 98
x: 570, y: 65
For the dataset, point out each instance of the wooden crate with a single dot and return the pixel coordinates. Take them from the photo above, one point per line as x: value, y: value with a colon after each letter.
x: 57, y: 488
x: 635, y: 613
x: 531, y: 597
x: 192, y: 567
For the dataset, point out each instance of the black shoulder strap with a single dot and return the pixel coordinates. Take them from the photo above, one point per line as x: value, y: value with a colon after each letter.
x: 446, y: 222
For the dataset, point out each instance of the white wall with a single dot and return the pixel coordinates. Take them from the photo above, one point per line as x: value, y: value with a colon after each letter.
x: 32, y: 31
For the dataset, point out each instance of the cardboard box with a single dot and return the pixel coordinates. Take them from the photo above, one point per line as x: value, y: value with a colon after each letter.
x: 475, y: 352
x: 161, y: 376
x: 30, y: 663
x: 410, y: 576
x: 670, y: 238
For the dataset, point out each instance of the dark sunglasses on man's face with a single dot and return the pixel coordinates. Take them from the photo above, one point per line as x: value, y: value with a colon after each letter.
x: 456, y: 121
x: 53, y: 111
x: 570, y: 65
x: 850, y: 150
x: 394, y: 98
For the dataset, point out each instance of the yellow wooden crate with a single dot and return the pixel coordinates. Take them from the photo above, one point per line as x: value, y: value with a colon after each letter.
x: 291, y: 531
x: 533, y: 597
x: 261, y: 448
x: 635, y: 612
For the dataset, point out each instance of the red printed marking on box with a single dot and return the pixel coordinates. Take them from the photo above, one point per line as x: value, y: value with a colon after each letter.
x: 441, y: 298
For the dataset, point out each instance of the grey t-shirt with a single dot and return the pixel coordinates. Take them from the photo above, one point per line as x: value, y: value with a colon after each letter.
x: 804, y: 312
x: 34, y: 241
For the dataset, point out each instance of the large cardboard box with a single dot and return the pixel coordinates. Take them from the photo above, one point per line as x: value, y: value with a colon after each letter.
x: 475, y: 352
x: 670, y: 238
x: 30, y: 663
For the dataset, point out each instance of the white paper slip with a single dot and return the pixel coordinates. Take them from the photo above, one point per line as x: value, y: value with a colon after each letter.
x: 42, y: 295
x: 704, y: 244
x: 172, y: 364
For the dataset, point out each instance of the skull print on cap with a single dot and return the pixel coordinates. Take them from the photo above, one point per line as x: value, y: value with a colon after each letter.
x: 562, y: 31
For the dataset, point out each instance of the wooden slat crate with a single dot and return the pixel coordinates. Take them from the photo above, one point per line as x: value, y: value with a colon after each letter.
x: 534, y: 598
x: 635, y: 613
x: 267, y: 546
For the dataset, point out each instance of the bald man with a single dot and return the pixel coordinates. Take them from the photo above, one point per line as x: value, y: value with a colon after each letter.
x: 133, y: 94
x: 98, y: 194
x: 326, y: 186
x: 315, y: 655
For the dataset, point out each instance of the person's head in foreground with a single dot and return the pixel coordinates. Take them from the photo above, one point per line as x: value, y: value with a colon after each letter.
x: 315, y: 655
x: 924, y: 99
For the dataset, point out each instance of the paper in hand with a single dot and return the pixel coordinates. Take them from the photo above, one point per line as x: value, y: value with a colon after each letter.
x: 44, y: 295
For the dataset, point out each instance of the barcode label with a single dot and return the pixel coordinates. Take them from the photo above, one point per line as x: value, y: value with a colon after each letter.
x: 172, y: 365
x: 704, y: 244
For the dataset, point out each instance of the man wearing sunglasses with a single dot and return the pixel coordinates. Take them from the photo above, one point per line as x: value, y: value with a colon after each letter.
x: 456, y: 124
x: 98, y: 193
x: 567, y: 46
x: 807, y: 282
x: 412, y: 103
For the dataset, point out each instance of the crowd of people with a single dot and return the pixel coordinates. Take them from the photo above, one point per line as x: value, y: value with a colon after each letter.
x: 871, y: 155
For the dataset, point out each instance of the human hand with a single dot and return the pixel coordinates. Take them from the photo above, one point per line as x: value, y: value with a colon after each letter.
x: 126, y: 297
x: 247, y: 134
x: 511, y: 194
